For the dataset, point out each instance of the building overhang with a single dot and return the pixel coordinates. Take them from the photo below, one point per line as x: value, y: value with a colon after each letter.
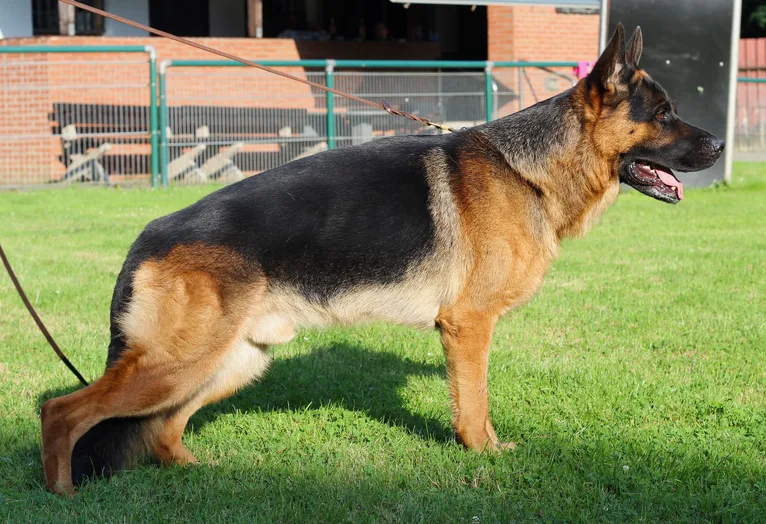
x: 579, y: 4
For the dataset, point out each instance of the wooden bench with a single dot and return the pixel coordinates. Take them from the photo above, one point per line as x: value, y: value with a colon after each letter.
x: 100, y: 141
x: 88, y: 130
x: 94, y: 139
x: 85, y: 167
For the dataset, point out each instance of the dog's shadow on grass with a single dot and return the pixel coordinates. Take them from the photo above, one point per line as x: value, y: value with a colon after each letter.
x: 375, y: 384
x: 342, y: 375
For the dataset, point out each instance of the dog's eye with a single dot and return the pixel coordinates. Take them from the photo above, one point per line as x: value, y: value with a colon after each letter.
x: 661, y: 115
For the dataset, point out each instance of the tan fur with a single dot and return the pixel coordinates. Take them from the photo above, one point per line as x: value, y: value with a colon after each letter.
x: 243, y: 364
x: 190, y: 311
x: 515, y: 218
x: 414, y: 301
x: 511, y: 246
x: 639, y: 75
x: 201, y: 319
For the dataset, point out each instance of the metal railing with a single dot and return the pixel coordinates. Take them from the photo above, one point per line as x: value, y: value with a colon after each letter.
x: 95, y: 114
x: 221, y: 122
x: 77, y: 113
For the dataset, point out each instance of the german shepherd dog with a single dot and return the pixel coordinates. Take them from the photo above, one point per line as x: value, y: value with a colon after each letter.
x: 447, y: 231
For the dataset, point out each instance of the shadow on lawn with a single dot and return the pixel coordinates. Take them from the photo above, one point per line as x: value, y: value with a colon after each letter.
x: 342, y: 375
x: 549, y: 477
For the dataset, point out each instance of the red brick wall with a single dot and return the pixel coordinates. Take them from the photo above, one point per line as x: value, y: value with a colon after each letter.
x: 31, y: 85
x: 538, y: 34
x: 25, y: 132
x: 530, y: 33
x: 261, y: 48
x: 29, y: 151
x: 500, y: 33
x: 751, y: 97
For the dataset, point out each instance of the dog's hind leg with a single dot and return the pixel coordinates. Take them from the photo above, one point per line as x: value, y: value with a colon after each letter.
x: 179, y: 327
x: 127, y: 389
x: 245, y: 363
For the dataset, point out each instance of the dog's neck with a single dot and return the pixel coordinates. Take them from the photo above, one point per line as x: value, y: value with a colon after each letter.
x: 548, y: 146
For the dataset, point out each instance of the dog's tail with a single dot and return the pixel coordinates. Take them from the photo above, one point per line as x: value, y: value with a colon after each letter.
x: 112, y: 445
x: 116, y: 443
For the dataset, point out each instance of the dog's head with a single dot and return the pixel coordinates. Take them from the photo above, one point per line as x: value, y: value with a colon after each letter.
x: 637, y: 126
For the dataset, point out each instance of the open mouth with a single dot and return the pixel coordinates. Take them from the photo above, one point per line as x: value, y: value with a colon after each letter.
x: 656, y: 181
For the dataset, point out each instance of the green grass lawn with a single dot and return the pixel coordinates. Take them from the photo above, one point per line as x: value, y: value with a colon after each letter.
x: 635, y: 383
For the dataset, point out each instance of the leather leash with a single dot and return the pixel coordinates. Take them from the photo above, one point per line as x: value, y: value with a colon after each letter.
x: 37, y: 319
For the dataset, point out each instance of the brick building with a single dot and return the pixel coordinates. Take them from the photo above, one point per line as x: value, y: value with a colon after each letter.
x: 374, y: 29
x: 257, y: 29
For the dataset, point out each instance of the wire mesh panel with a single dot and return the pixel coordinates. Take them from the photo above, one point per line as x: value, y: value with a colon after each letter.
x: 750, y: 127
x: 225, y: 123
x: 222, y: 122
x: 516, y: 88
x: 74, y: 117
x: 456, y: 99
x: 750, y: 132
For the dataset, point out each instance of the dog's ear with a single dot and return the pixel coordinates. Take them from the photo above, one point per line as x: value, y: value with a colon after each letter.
x: 635, y: 48
x: 607, y: 72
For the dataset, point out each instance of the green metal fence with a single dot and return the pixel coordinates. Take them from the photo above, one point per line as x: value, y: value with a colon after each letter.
x: 92, y: 114
x: 63, y: 108
x: 221, y: 122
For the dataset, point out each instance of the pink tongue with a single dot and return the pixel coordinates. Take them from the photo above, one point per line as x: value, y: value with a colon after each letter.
x: 670, y: 180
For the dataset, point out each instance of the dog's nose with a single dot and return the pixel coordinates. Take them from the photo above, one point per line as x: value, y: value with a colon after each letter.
x: 716, y: 144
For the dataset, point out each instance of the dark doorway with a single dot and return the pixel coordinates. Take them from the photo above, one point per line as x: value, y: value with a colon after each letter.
x: 187, y: 18
x: 472, y: 34
x: 460, y: 32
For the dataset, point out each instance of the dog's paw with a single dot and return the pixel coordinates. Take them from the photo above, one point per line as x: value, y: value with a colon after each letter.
x: 500, y: 447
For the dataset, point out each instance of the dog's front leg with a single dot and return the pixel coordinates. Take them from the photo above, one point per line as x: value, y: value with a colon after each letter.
x: 466, y: 338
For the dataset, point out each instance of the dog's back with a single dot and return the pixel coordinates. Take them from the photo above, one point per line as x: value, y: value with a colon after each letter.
x: 343, y: 217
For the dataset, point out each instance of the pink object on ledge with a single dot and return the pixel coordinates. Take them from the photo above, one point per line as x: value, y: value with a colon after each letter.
x: 584, y: 67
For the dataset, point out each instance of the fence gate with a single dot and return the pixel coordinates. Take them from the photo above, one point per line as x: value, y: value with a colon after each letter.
x: 751, y: 100
x: 77, y: 113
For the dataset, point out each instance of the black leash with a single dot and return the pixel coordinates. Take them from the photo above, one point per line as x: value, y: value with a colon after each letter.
x: 36, y: 317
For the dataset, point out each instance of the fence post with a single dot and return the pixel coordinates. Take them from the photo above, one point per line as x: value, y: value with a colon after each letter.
x: 153, y: 112
x: 164, y: 121
x: 521, y: 87
x: 328, y: 72
x: 488, y: 94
